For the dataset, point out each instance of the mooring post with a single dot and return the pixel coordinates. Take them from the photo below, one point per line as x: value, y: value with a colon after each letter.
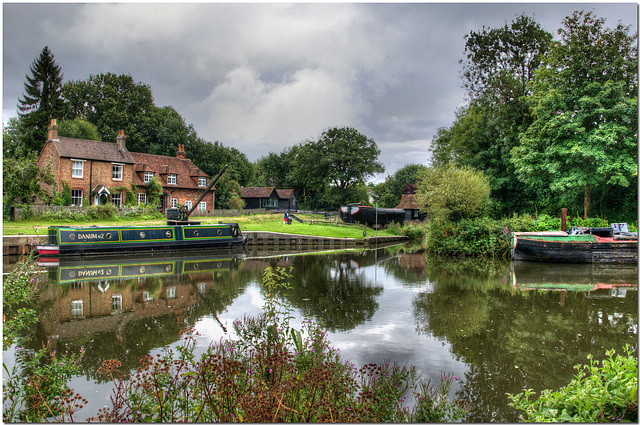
x: 563, y: 223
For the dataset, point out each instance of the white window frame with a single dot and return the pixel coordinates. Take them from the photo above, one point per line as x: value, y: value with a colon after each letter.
x: 147, y: 176
x: 116, y: 199
x: 174, y: 202
x: 202, y: 182
x: 79, y: 196
x: 117, y: 172
x: 116, y: 303
x: 142, y: 198
x: 77, y: 169
x: 171, y: 292
x: 202, y: 206
x: 202, y: 288
x: 188, y: 205
x: 146, y: 296
x: 172, y: 179
x: 77, y: 310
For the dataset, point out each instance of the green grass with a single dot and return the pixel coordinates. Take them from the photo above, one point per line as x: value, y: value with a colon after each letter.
x: 258, y: 222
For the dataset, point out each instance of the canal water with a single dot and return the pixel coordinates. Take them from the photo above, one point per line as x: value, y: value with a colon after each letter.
x: 498, y: 327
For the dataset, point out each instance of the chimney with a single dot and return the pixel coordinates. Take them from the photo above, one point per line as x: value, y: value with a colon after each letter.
x: 121, y: 139
x: 181, y: 154
x: 52, y: 130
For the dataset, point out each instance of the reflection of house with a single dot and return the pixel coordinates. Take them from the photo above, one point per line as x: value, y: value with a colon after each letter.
x: 411, y: 207
x: 269, y: 198
x: 100, y: 172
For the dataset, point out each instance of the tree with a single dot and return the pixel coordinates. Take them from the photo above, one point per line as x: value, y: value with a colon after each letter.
x: 452, y: 193
x: 42, y: 100
x: 21, y: 179
x: 78, y: 128
x: 497, y: 68
x: 155, y: 191
x: 341, y: 157
x: 584, y: 105
x: 389, y: 193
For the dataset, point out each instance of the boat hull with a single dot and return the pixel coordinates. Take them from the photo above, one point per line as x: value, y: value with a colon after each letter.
x: 573, y: 250
x: 111, y: 240
x: 371, y: 216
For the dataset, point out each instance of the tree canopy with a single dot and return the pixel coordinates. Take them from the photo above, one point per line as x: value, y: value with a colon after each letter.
x: 41, y: 102
x: 584, y: 105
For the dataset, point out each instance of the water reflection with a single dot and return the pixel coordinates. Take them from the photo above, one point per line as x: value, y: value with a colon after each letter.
x: 501, y: 328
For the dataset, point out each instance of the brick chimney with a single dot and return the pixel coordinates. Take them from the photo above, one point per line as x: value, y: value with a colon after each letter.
x: 181, y: 154
x: 121, y: 139
x: 52, y: 130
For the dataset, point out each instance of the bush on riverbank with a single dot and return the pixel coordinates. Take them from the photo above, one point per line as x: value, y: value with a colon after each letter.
x: 484, y: 237
x: 604, y: 391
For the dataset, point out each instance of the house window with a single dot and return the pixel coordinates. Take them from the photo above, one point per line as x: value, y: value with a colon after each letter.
x: 202, y: 181
x: 76, y: 197
x: 116, y: 303
x: 188, y: 205
x: 116, y: 199
x: 117, y: 171
x: 202, y: 206
x: 76, y: 286
x: 171, y: 179
x: 77, y: 169
x: 142, y: 198
x: 202, y: 288
x: 270, y: 203
x: 174, y: 202
x: 147, y: 176
x: 146, y: 296
x: 171, y: 292
x: 76, y: 309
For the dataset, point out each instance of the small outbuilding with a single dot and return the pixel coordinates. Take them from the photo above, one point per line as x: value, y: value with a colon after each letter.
x: 269, y: 198
x: 411, y: 207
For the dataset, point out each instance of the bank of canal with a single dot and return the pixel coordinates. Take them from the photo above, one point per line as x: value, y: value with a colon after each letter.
x: 498, y: 328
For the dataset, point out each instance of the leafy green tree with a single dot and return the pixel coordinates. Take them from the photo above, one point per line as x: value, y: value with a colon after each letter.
x: 341, y: 157
x: 498, y: 66
x: 13, y: 134
x: 228, y: 193
x: 78, y: 128
x: 42, y: 100
x: 452, y: 193
x: 389, y: 193
x: 21, y: 179
x: 63, y: 197
x: 584, y: 104
x: 155, y: 192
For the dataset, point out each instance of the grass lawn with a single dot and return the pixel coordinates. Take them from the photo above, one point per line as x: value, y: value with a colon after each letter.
x: 258, y: 222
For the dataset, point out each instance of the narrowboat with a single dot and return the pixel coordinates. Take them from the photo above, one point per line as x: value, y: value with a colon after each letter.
x: 71, y: 240
x: 371, y: 216
x: 595, y: 245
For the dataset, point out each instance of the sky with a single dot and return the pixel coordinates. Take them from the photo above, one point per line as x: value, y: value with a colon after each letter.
x: 264, y: 76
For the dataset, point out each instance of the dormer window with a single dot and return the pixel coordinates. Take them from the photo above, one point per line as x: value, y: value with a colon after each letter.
x: 172, y: 179
x: 202, y: 182
x: 147, y: 176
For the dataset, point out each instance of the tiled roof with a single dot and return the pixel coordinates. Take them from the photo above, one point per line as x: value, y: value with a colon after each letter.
x: 409, y: 202
x: 284, y: 193
x: 69, y: 147
x: 184, y: 170
x: 256, y: 192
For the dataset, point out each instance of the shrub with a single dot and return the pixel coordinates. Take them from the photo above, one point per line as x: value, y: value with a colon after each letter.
x: 604, y: 391
x: 451, y: 193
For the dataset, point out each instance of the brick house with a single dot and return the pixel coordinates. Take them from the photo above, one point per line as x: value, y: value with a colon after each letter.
x: 100, y: 172
x: 269, y: 198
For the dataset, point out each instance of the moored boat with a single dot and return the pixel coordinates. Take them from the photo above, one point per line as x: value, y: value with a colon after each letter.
x: 71, y: 240
x: 371, y: 216
x: 562, y: 247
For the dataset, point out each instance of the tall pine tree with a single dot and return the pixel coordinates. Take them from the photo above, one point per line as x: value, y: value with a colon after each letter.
x: 42, y: 100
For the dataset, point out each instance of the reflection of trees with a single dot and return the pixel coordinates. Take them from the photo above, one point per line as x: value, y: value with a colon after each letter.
x: 333, y: 290
x: 518, y: 339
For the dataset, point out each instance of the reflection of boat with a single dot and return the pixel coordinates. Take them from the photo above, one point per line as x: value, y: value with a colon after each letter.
x: 560, y: 247
x: 67, y: 269
x: 612, y: 278
x: 68, y: 240
x: 371, y: 216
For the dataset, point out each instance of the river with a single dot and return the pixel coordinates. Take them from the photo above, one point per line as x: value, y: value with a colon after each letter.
x: 498, y: 327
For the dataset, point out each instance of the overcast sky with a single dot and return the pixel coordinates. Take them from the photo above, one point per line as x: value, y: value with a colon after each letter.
x: 260, y: 77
